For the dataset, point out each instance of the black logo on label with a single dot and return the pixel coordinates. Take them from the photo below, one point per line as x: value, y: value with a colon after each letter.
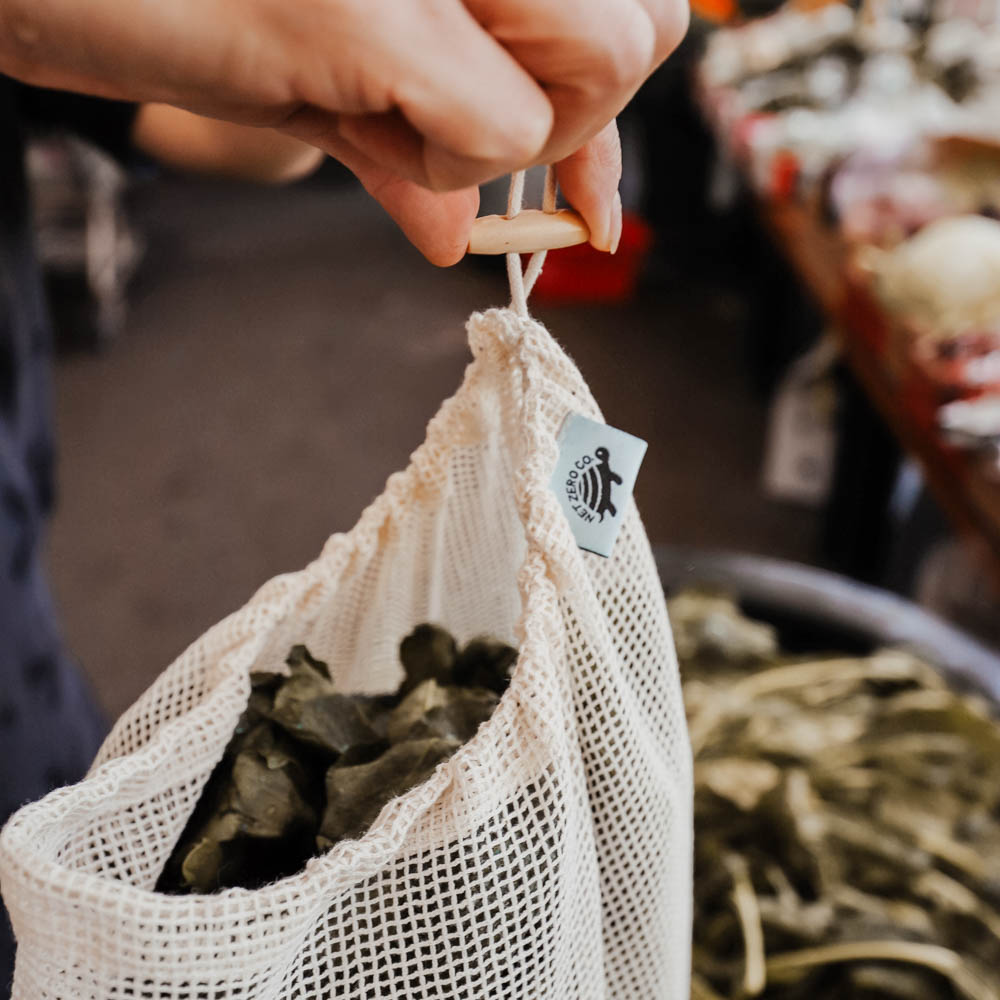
x: 589, y: 484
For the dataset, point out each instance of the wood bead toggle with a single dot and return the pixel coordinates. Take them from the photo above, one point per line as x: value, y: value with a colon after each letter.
x: 528, y: 231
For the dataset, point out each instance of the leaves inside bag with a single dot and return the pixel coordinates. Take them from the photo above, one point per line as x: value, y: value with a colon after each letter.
x: 309, y: 766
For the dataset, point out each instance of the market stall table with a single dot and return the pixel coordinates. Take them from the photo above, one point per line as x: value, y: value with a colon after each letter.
x: 960, y: 481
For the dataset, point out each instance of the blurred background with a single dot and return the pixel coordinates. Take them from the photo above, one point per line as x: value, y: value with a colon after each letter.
x: 803, y: 321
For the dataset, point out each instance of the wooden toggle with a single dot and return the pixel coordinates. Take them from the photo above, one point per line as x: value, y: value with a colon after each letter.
x: 528, y: 231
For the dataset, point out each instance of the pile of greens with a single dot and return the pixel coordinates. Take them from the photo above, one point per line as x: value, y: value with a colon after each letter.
x: 309, y: 766
x: 847, y: 820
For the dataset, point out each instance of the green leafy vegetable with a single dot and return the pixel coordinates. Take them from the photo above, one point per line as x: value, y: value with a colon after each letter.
x: 356, y: 795
x: 485, y: 663
x: 847, y: 820
x: 428, y: 653
x: 309, y: 765
x: 451, y: 713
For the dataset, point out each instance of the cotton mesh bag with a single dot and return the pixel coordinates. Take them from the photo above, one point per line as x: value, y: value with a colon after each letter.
x: 549, y: 858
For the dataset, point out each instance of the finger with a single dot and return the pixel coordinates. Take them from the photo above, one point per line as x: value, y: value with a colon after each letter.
x: 390, y: 141
x: 479, y: 111
x: 671, y: 20
x: 437, y: 224
x: 384, y: 140
x: 590, y: 56
x: 589, y: 181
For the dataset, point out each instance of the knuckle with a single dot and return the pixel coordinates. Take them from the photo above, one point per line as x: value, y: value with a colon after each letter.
x: 441, y: 181
x: 625, y: 55
x: 526, y: 141
x: 447, y: 172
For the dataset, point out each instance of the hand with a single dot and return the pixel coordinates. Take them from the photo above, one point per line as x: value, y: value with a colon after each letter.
x: 415, y: 96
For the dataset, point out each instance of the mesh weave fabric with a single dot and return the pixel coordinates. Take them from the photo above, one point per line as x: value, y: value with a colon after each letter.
x: 549, y: 858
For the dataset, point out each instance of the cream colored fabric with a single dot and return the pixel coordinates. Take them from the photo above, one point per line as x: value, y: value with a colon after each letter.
x: 549, y: 858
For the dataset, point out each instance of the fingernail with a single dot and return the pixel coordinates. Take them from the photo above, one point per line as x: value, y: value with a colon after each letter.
x: 615, y: 228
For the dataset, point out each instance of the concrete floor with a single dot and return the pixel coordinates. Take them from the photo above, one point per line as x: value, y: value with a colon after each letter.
x: 284, y: 351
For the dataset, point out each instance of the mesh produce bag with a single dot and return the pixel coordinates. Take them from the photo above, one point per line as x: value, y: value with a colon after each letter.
x: 548, y: 858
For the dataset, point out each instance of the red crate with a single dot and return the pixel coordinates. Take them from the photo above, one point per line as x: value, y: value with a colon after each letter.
x: 583, y: 274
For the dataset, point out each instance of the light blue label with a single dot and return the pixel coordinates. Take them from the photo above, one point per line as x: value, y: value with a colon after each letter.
x: 593, y: 480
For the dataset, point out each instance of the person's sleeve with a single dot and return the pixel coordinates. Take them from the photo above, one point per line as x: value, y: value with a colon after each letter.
x: 107, y: 124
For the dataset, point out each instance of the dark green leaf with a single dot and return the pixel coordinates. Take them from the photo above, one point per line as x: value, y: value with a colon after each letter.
x: 485, y: 663
x: 266, y: 680
x: 300, y: 658
x: 356, y: 795
x: 266, y: 796
x: 200, y: 868
x: 333, y: 723
x: 451, y: 713
x: 428, y: 653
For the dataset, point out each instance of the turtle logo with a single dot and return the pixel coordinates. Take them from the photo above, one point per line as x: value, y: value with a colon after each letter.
x: 589, y: 485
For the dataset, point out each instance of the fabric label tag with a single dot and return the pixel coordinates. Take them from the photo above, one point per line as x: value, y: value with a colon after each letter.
x: 593, y: 480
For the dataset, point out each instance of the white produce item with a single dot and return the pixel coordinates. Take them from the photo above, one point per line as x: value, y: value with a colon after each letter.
x: 946, y: 277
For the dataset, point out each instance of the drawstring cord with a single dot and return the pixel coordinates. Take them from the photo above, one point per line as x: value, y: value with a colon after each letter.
x: 522, y: 282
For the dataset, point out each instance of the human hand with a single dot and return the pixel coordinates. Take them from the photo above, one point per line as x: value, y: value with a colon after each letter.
x: 417, y: 97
